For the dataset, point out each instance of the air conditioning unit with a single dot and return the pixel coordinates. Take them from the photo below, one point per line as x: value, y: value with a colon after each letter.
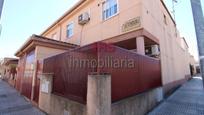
x: 155, y: 50
x: 83, y: 18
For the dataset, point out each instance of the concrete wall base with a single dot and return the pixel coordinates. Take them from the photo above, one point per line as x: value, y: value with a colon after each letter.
x: 99, y: 95
x: 139, y: 104
x: 98, y: 99
x: 169, y: 87
x: 63, y: 106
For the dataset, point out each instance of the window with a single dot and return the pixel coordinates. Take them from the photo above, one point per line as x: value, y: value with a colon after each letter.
x: 110, y: 8
x: 70, y: 30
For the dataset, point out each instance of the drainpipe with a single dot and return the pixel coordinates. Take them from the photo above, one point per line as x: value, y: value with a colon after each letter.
x: 34, y: 80
x: 199, y: 27
x: 81, y: 36
x: 60, y: 36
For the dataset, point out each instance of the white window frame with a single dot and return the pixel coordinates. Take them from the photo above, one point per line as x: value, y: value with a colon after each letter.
x: 67, y: 35
x: 106, y: 18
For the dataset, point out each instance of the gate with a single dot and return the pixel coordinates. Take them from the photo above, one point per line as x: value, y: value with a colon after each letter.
x: 20, y: 72
x: 28, y: 75
x: 39, y: 66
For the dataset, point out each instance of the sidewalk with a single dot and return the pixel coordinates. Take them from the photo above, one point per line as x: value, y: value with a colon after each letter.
x: 187, y: 100
x: 12, y: 103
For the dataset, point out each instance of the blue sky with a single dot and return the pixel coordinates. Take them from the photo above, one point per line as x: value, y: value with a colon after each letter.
x: 21, y: 19
x: 185, y: 23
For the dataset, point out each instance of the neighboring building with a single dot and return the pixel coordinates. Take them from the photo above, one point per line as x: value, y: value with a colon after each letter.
x: 193, y: 65
x: 198, y: 70
x: 30, y: 62
x: 1, y: 69
x: 8, y: 70
x: 142, y: 26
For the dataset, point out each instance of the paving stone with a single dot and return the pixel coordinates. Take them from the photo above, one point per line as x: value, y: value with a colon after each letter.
x: 12, y: 103
x: 187, y: 100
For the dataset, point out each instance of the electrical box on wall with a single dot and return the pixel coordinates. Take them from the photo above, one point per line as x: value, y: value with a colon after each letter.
x: 84, y: 18
x: 155, y: 50
x: 152, y: 50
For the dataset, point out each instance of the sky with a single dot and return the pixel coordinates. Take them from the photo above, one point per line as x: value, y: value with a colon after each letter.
x: 185, y: 23
x: 21, y: 19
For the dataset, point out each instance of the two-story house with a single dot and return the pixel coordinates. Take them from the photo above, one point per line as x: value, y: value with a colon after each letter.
x: 142, y: 26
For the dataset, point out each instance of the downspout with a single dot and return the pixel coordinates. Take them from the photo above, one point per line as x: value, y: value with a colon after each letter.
x: 34, y: 75
x: 81, y: 36
x: 60, y: 36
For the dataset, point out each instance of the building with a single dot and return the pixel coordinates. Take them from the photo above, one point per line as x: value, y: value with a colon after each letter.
x: 1, y: 68
x: 198, y: 71
x: 144, y: 27
x: 31, y: 54
x: 8, y: 70
x: 193, y: 65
